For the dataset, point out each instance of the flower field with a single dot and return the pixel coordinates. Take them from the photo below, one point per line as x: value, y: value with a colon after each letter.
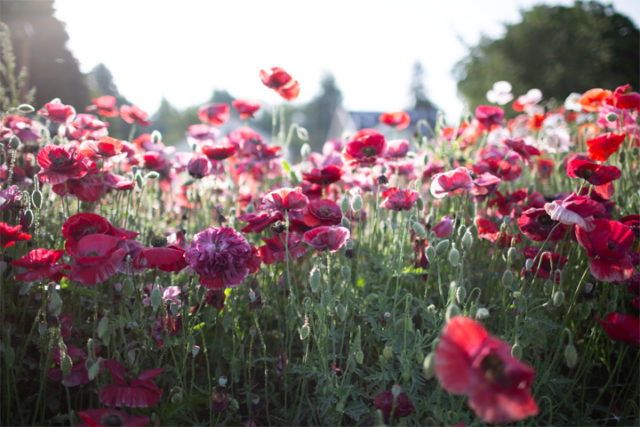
x: 485, y: 272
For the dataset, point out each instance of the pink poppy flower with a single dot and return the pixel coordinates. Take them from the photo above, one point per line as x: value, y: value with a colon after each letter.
x: 284, y: 199
x: 245, y: 107
x: 624, y: 98
x: 169, y: 258
x: 471, y: 362
x: 9, y: 234
x: 591, y: 172
x: 202, y: 132
x: 601, y: 147
x: 451, y: 182
x: 41, y: 264
x: 489, y: 116
x: 141, y: 392
x: 259, y: 221
x: 96, y: 257
x: 60, y: 164
x: 111, y: 417
x: 282, y: 82
x: 222, y: 257
x: 86, y: 126
x: 444, y: 228
x: 575, y: 210
x: 118, y: 182
x: 399, y: 199
x: 325, y: 176
x: 489, y: 231
x: 57, y: 112
x: 322, y: 212
x: 524, y: 150
x: 402, y: 407
x: 133, y: 113
x: 105, y: 147
x: 214, y: 114
x: 198, y: 167
x: 364, y: 147
x: 399, y: 119
x: 622, y: 327
x: 330, y: 238
x: 274, y: 248
x: 105, y: 106
x: 396, y: 148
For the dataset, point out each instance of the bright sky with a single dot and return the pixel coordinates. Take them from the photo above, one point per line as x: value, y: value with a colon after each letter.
x: 185, y: 49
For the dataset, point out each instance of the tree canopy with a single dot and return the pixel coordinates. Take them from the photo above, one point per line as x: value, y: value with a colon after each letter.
x: 556, y: 49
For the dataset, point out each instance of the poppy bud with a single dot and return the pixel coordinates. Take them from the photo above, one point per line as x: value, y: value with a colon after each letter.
x: 305, y: 150
x: 512, y: 253
x: 359, y: 357
x: 341, y: 311
x: 156, y: 136
x: 547, y: 287
x: 482, y: 313
x: 419, y: 229
x: 356, y: 203
x: 420, y: 203
x: 570, y: 356
x: 346, y: 272
x: 454, y: 257
x: 65, y: 363
x: 36, y: 199
x: 152, y: 175
x: 558, y: 298
x: 461, y: 294
x: 429, y: 366
x: 528, y: 264
x: 507, y: 278
x: 344, y: 203
x: 14, y: 142
x: 622, y: 156
x: 387, y: 352
x: 467, y: 240
x: 93, y: 368
x: 26, y: 108
x: 315, y: 279
x: 396, y: 390
x: 442, y: 247
x: 139, y: 180
x: 452, y: 311
x: 345, y: 222
x: 430, y: 253
x: 516, y: 351
x: 156, y: 298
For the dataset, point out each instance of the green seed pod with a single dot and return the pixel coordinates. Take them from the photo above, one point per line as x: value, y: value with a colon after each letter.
x: 346, y: 272
x: 359, y: 357
x: 528, y: 264
x: 65, y: 361
x: 152, y: 175
x: 467, y: 240
x: 387, y: 352
x: 345, y: 222
x: 547, y: 287
x: 430, y: 253
x: 341, y: 311
x: 305, y: 150
x: 315, y: 279
x: 454, y: 257
x: 103, y: 327
x: 305, y: 330
x: 558, y: 298
x: 419, y: 230
x: 93, y: 368
x: 429, y: 366
x: 612, y: 117
x: 622, y: 156
x: 512, y: 253
x: 356, y: 203
x: 36, y: 199
x: 344, y: 203
x: 29, y: 217
x: 442, y: 247
x: 516, y: 351
x: 156, y: 298
x: 139, y: 180
x: 507, y: 278
x: 452, y: 311
x: 570, y: 356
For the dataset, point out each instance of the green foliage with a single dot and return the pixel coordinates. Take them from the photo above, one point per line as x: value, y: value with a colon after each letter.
x: 13, y: 89
x: 556, y: 49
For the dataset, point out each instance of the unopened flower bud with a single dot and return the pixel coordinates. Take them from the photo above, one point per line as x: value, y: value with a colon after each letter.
x: 528, y: 264
x: 345, y: 222
x: 512, y: 253
x: 396, y: 390
x: 305, y: 150
x: 420, y: 204
x: 454, y: 257
x: 156, y: 136
x: 570, y: 356
x: 429, y: 366
x: 315, y: 279
x: 516, y: 351
x: 346, y: 272
x: 558, y: 298
x: 222, y: 381
x: 36, y: 199
x: 467, y: 240
x: 461, y: 294
x: 430, y: 253
x: 387, y: 352
x: 14, y: 142
x: 356, y: 203
x: 452, y: 311
x: 419, y: 229
x: 482, y: 313
x: 344, y: 203
x: 442, y: 247
x: 507, y: 278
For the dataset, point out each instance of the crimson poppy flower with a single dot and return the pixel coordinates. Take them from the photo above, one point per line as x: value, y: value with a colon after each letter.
x: 364, y: 147
x: 327, y: 237
x: 575, y: 209
x: 322, y: 212
x: 57, y: 112
x: 282, y: 82
x: 41, y: 264
x: 399, y: 199
x: 218, y: 150
x: 284, y: 199
x: 451, y: 182
x: 133, y: 113
x: 624, y: 98
x: 85, y: 223
x: 608, y: 245
x: 118, y: 182
x: 399, y: 119
x: 592, y: 99
x: 444, y: 228
x: 105, y: 147
x: 274, y: 248
x: 489, y: 116
x: 391, y: 407
x: 222, y: 257
x: 141, y: 392
x: 524, y: 150
x: 499, y: 164
x: 489, y: 231
x: 471, y: 362
x: 96, y: 257
x: 198, y: 167
x: 60, y: 164
x: 88, y: 189
x: 245, y: 107
x: 9, y: 234
x: 202, y: 132
x: 169, y: 258
x: 325, y: 176
x: 214, y: 114
x: 86, y: 126
x: 544, y: 167
x: 537, y: 225
x: 602, y: 147
x: 111, y: 417
x: 78, y: 375
x: 633, y: 222
x: 622, y: 327
x: 105, y: 106
x: 544, y: 264
x: 259, y: 221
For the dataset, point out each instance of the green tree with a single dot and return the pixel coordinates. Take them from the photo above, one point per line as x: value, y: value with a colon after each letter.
x: 319, y: 112
x: 556, y: 49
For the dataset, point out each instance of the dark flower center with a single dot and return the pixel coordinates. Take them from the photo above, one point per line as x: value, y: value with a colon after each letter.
x: 112, y: 419
x: 493, y: 367
x: 545, y: 220
x: 585, y: 173
x: 368, y: 151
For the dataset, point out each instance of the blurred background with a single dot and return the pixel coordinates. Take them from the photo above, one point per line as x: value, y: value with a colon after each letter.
x: 353, y: 59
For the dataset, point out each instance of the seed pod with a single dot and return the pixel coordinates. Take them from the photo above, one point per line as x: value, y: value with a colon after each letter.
x: 345, y: 222
x: 442, y: 247
x: 612, y: 117
x: 429, y: 366
x: 346, y: 272
x: 507, y: 278
x: 419, y: 229
x: 452, y: 311
x: 14, y: 142
x: 467, y: 240
x: 305, y: 330
x: 430, y: 253
x: 156, y: 298
x: 461, y: 294
x: 570, y: 356
x: 558, y: 298
x: 454, y: 257
x: 420, y: 204
x: 36, y: 199
x: 528, y: 264
x: 387, y: 352
x: 512, y: 253
x: 356, y: 203
x: 344, y: 203
x: 359, y: 357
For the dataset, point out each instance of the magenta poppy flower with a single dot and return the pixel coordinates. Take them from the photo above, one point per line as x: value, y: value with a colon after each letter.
x: 57, y: 112
x: 451, y: 182
x: 274, y: 248
x: 169, y: 258
x: 10, y: 234
x: 214, y: 114
x: 245, y: 108
x: 282, y: 82
x: 322, y: 212
x: 489, y: 116
x: 259, y: 221
x: 624, y: 98
x: 471, y: 362
x: 397, y: 148
x: 398, y: 119
x: 133, y: 113
x: 141, y: 392
x: 78, y: 375
x: 592, y: 172
x: 198, y: 167
x: 87, y: 189
x: 324, y: 238
x: 444, y: 228
x: 601, y: 147
x: 399, y: 199
x: 86, y: 126
x: 524, y: 150
x: 622, y: 327
x: 111, y: 417
x: 325, y: 176
x: 118, y: 182
x: 575, y: 210
x: 545, y: 264
x: 222, y: 257
x: 85, y: 223
x: 41, y: 264
x: 218, y: 150
x: 401, y: 408
x: 105, y: 106
x: 96, y: 257
x: 284, y: 199
x: 364, y: 147
x: 60, y: 164
x: 537, y: 225
x: 202, y: 132
x: 608, y: 244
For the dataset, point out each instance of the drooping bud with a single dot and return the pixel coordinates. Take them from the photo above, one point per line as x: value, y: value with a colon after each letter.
x: 429, y: 366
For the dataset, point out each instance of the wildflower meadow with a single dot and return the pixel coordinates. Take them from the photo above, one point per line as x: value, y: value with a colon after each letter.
x: 480, y: 272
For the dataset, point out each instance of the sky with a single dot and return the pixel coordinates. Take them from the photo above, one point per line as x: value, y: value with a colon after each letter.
x: 183, y: 50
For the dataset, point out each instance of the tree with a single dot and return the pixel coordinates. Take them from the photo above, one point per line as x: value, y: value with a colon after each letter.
x: 557, y: 49
x: 417, y: 90
x: 319, y: 112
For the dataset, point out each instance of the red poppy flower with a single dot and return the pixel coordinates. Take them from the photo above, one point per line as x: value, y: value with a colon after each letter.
x: 444, y: 228
x: 95, y: 258
x: 41, y: 264
x: 259, y: 221
x: 509, y: 201
x: 326, y: 237
x: 364, y: 147
x: 592, y: 99
x: 574, y: 209
x: 280, y: 81
x: 608, y: 244
x: 399, y: 119
x: 544, y: 264
x: 105, y: 106
x: 214, y: 114
x: 602, y: 147
x: 284, y: 199
x: 218, y: 150
x: 85, y: 223
x: 451, y: 182
x: 622, y: 327
x: 87, y: 189
x: 484, y: 185
x: 591, y: 172
x: 624, y: 98
x: 138, y: 393
x: 471, y: 362
x: 133, y: 113
x: 322, y: 212
x: 170, y: 258
x: 325, y: 176
x: 57, y: 112
x: 489, y: 231
x: 398, y: 199
x: 489, y: 116
x: 499, y: 164
x: 537, y: 225
x: 198, y: 167
x: 104, y: 147
x: 524, y: 150
x: 544, y: 167
x: 118, y: 182
x: 9, y: 234
x: 59, y: 164
x: 245, y: 107
x: 169, y: 324
x: 396, y: 148
x: 391, y: 408
x: 111, y: 417
x: 274, y: 248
